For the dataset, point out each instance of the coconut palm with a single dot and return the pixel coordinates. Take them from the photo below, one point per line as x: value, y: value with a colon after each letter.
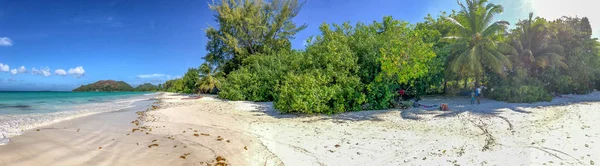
x: 533, y: 47
x: 209, y: 80
x: 476, y: 48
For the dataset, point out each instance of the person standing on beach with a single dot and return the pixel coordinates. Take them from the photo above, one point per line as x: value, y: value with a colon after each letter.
x: 478, y: 94
x: 472, y: 97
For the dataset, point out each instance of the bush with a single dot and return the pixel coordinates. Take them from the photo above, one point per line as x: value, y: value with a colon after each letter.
x: 520, y: 94
x: 235, y: 85
x: 304, y: 94
x: 258, y: 79
x: 381, y: 95
x: 315, y: 93
x: 326, y: 77
x: 244, y: 84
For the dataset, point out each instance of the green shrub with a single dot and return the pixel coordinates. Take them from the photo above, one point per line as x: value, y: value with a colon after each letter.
x: 520, y: 94
x: 315, y: 93
x: 234, y: 86
x: 304, y: 94
x: 244, y: 84
x: 258, y: 79
x: 381, y: 95
x: 326, y: 77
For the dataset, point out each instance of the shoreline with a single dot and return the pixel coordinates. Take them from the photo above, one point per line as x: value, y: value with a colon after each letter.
x: 17, y: 124
x: 210, y: 130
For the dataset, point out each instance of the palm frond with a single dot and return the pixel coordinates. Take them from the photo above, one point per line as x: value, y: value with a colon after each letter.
x: 456, y: 47
x: 527, y: 56
x: 492, y: 62
x: 492, y: 10
x: 457, y: 65
x: 494, y: 28
x: 453, y: 21
x: 554, y: 48
x: 452, y: 37
x: 502, y: 58
x: 507, y: 49
x: 554, y: 60
x: 542, y: 62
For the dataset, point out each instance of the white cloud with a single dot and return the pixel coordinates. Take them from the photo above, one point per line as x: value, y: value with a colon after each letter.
x: 5, y: 41
x: 60, y: 72
x: 77, y: 72
x: 19, y: 70
x: 4, y: 68
x: 153, y: 76
x: 43, y: 71
x: 22, y: 69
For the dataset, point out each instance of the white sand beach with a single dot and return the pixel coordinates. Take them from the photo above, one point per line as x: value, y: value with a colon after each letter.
x: 212, y: 131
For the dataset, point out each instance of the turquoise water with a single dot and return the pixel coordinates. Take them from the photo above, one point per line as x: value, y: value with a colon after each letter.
x: 21, y: 111
x: 47, y: 102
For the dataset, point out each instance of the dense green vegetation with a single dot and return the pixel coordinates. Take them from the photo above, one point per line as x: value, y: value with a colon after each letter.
x: 116, y: 86
x: 204, y: 79
x: 350, y: 67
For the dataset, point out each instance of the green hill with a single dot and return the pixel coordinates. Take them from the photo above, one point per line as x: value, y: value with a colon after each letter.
x: 105, y: 86
x: 147, y: 87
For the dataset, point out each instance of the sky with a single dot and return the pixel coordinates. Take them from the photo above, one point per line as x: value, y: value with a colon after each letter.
x: 60, y: 45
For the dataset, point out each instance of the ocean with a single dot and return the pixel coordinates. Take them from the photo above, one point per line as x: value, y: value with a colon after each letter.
x: 20, y: 111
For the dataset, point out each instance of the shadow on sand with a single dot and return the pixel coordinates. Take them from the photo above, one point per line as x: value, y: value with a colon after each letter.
x: 266, y: 109
x: 458, y: 105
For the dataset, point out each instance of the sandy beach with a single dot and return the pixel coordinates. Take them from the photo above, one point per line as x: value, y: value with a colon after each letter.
x: 210, y: 131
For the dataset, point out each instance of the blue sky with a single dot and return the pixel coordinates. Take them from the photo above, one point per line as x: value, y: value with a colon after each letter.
x: 75, y: 42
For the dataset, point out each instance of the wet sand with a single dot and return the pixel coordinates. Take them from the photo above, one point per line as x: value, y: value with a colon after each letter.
x: 93, y: 140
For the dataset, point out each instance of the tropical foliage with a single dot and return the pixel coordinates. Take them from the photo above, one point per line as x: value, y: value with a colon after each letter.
x: 362, y: 66
x: 174, y: 85
x: 532, y: 42
x: 209, y: 79
x: 477, y: 48
x: 250, y: 27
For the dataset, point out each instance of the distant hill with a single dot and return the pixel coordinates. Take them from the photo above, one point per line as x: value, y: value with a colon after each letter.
x: 105, y: 86
x: 147, y: 87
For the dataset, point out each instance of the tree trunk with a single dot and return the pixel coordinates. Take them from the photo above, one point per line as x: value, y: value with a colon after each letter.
x: 445, y: 86
x: 476, y: 81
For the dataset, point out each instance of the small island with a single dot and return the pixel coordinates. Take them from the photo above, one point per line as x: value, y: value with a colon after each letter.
x: 115, y: 86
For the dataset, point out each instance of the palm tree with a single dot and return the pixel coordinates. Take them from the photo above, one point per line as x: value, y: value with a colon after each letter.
x: 209, y: 80
x: 476, y: 48
x: 533, y: 47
